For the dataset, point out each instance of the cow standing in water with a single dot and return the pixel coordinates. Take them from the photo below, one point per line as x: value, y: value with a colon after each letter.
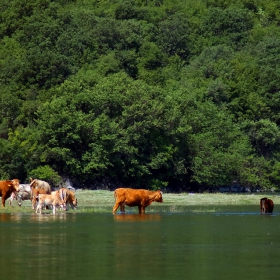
x: 131, y: 197
x: 266, y: 205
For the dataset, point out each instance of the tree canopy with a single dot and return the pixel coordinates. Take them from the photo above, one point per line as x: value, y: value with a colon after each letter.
x: 178, y: 95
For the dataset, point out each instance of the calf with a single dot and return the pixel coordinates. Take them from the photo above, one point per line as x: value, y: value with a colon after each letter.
x: 49, y: 199
x: 266, y: 205
x: 7, y: 187
x: 131, y: 197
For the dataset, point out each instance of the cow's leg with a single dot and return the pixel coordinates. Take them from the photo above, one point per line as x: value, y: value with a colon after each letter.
x: 263, y: 205
x: 3, y: 200
x: 39, y: 208
x: 33, y: 202
x: 12, y: 197
x: 19, y: 201
x: 115, y: 208
x: 122, y: 208
x: 141, y: 209
x: 63, y: 207
x: 53, y: 208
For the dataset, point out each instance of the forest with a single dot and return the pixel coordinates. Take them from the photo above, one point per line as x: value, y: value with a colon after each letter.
x: 178, y: 95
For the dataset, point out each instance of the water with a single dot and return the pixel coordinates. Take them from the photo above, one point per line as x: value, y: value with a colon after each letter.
x: 197, y: 243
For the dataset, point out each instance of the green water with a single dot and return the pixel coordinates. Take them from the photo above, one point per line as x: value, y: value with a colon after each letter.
x: 229, y: 243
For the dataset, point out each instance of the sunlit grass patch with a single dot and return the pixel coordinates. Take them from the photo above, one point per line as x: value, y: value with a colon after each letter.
x: 16, y: 209
x: 203, y: 210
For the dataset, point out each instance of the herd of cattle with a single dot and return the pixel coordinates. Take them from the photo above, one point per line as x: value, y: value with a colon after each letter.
x: 41, y: 195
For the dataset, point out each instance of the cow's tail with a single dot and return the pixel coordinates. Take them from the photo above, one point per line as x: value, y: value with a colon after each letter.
x: 62, y: 195
x: 115, y: 195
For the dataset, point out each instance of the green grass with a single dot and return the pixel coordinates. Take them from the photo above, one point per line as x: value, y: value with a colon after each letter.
x: 100, y: 201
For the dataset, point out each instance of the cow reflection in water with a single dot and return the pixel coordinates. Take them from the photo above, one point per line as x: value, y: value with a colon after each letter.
x: 5, y: 217
x: 49, y: 217
x: 266, y: 205
x: 138, y: 218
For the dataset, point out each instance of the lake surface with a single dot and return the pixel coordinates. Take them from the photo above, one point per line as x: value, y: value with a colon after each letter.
x: 235, y: 242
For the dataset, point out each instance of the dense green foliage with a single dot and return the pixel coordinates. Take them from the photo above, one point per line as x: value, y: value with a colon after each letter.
x: 162, y: 93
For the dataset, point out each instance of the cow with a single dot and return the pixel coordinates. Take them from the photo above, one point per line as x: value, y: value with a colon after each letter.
x: 35, y: 196
x: 132, y: 197
x: 68, y: 197
x: 49, y: 199
x: 7, y: 187
x: 266, y: 205
x: 24, y: 193
x: 39, y: 184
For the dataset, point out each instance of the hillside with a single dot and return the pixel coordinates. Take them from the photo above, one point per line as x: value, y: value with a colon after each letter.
x: 179, y: 95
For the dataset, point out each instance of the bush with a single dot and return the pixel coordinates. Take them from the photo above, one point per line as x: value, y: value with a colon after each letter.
x: 46, y: 173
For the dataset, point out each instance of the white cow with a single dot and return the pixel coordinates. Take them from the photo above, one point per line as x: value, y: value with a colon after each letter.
x: 39, y: 184
x: 24, y: 193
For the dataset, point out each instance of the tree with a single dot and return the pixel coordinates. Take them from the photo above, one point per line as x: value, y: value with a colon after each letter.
x: 173, y: 36
x: 217, y: 146
x: 228, y: 26
x: 264, y: 135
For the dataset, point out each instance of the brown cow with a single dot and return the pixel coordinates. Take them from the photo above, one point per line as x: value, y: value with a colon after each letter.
x: 7, y: 188
x: 131, y: 197
x: 39, y: 184
x: 266, y: 205
x: 68, y: 197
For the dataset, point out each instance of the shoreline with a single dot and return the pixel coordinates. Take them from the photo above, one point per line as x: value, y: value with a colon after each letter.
x: 103, y: 201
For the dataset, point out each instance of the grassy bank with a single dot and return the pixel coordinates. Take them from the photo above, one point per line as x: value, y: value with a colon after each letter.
x: 102, y: 198
x: 103, y: 201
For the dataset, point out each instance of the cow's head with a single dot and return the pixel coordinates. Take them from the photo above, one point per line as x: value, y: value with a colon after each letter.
x: 15, y: 185
x: 74, y: 203
x: 73, y: 200
x: 158, y: 197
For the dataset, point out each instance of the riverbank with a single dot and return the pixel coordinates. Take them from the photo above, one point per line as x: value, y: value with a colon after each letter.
x: 101, y: 197
x: 103, y: 201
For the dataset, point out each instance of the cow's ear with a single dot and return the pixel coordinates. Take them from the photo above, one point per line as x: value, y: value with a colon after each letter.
x: 14, y: 180
x: 30, y: 179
